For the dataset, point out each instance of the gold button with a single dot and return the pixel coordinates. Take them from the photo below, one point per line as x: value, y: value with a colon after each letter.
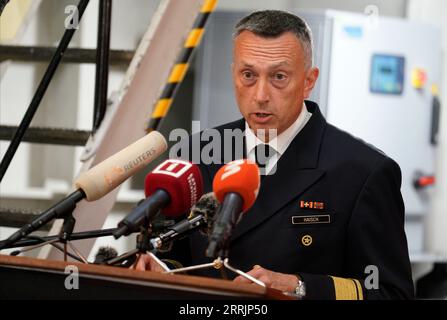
x: 306, y: 240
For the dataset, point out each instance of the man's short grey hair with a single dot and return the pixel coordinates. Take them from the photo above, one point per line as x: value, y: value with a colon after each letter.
x: 273, y: 23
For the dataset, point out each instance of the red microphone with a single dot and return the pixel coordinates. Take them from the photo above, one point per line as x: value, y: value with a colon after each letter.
x: 171, y: 189
x: 236, y: 186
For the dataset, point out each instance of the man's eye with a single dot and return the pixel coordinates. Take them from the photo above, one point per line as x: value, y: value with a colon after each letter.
x: 247, y: 75
x: 280, y: 76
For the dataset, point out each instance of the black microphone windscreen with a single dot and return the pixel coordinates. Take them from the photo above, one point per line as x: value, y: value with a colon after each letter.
x: 105, y: 254
x: 207, y: 206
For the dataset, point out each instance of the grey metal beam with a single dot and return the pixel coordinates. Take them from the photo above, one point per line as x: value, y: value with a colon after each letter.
x: 58, y: 136
x: 71, y: 55
x: 16, y: 218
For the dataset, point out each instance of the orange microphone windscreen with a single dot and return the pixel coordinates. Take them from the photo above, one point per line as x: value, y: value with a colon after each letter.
x: 241, y: 177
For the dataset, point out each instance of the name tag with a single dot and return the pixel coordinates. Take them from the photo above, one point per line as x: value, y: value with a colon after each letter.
x: 314, y: 219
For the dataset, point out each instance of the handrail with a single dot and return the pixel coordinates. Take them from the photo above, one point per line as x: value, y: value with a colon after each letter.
x: 102, y: 62
x: 40, y: 92
x: 3, y: 4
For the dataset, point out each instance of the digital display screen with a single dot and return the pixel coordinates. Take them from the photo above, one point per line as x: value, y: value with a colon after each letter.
x: 387, y: 74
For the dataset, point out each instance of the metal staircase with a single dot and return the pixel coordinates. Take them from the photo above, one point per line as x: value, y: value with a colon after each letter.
x: 117, y: 121
x: 59, y: 136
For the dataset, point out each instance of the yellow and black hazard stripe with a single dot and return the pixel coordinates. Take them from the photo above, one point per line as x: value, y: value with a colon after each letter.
x: 347, y: 289
x: 181, y: 67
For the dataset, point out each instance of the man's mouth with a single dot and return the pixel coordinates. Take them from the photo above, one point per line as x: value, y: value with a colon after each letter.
x: 262, y: 115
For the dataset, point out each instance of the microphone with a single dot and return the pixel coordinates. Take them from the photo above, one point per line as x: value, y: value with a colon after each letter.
x: 172, y: 188
x: 236, y: 186
x: 107, y: 175
x: 105, y: 254
x: 99, y: 180
x: 201, y: 217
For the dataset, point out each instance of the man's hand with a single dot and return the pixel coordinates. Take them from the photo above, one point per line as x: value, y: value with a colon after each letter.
x: 275, y: 280
x: 147, y: 262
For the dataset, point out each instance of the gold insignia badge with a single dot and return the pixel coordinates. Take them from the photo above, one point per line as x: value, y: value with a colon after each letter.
x: 306, y: 240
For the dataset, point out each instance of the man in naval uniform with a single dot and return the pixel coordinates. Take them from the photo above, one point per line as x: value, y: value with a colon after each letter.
x: 328, y: 222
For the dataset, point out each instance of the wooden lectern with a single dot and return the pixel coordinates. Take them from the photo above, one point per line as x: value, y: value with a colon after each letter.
x: 28, y: 278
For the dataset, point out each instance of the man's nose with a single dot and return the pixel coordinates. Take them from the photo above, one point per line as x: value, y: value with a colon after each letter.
x: 262, y: 94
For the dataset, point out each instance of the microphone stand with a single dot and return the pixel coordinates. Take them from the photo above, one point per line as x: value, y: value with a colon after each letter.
x: 63, y: 237
x: 60, y: 210
x: 41, y: 240
x: 220, y: 263
x: 33, y: 242
x: 143, y: 245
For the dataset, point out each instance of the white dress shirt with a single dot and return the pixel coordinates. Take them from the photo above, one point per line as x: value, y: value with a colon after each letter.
x: 279, y: 143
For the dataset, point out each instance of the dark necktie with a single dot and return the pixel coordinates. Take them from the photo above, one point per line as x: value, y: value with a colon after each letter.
x: 263, y: 152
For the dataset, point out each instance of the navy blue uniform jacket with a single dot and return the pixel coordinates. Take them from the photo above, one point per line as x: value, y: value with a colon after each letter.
x: 358, y: 222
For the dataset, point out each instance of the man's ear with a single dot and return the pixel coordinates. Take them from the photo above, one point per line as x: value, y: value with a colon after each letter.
x: 310, y: 81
